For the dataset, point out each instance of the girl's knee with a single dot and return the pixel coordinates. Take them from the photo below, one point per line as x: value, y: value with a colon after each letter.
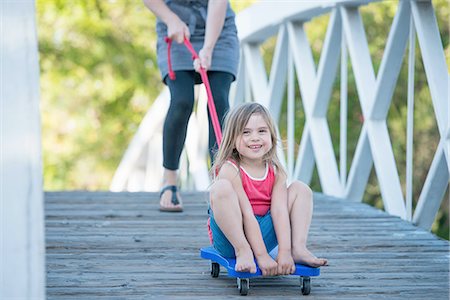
x: 301, y: 189
x: 221, y: 189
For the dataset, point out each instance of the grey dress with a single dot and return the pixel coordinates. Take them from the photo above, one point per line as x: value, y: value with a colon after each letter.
x: 193, y: 13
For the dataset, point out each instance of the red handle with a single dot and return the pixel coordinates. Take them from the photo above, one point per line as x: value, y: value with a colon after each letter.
x: 204, y: 76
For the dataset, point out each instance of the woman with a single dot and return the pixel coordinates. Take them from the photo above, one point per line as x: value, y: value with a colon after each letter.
x: 210, y: 27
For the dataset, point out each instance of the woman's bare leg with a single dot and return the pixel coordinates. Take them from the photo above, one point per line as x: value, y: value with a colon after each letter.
x: 300, y: 213
x: 228, y: 216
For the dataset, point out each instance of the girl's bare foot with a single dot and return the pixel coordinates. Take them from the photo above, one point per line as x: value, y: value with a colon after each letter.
x: 245, y: 261
x: 303, y: 256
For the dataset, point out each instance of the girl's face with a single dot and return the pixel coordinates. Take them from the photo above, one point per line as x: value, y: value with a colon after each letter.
x: 255, y: 140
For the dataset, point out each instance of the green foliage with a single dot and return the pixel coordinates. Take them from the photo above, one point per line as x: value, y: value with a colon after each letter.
x: 99, y: 77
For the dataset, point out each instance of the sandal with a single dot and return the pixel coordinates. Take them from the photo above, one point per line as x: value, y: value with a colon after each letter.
x: 174, y: 200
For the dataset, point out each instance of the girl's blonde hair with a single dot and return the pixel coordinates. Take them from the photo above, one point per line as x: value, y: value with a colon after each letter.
x: 235, y: 122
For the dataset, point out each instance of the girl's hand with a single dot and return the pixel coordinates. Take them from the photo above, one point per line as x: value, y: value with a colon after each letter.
x: 177, y: 30
x: 286, y: 263
x: 204, y: 60
x: 267, y: 265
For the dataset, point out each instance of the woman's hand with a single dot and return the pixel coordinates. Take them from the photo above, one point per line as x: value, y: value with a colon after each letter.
x: 267, y: 265
x: 177, y: 30
x: 204, y: 60
x: 285, y: 262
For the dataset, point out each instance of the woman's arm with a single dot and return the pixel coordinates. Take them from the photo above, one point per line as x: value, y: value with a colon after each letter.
x: 281, y: 222
x: 214, y: 24
x: 176, y: 29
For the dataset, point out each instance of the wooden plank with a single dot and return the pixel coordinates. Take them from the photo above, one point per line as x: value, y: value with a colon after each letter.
x: 119, y: 246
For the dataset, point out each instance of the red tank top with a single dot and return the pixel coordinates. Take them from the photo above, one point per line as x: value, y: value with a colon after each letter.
x: 258, y: 190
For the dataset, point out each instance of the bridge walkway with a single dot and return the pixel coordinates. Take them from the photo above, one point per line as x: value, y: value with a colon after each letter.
x: 119, y: 246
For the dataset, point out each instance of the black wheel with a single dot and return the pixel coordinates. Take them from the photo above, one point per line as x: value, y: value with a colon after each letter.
x: 306, y: 285
x: 215, y: 269
x: 243, y: 286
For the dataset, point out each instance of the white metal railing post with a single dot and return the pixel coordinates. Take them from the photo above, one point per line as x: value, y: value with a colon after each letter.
x: 290, y: 115
x: 247, y: 89
x: 22, y: 223
x: 410, y: 121
x: 343, y: 113
x: 436, y: 71
x: 448, y: 124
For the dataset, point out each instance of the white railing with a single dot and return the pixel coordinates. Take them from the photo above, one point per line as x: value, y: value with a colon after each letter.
x: 293, y: 53
x: 22, y: 225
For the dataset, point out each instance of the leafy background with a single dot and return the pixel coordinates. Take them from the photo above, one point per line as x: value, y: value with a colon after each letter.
x: 99, y: 77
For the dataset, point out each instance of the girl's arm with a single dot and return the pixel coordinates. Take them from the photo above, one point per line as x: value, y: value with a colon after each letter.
x: 214, y: 24
x: 281, y: 222
x: 251, y: 227
x: 176, y: 29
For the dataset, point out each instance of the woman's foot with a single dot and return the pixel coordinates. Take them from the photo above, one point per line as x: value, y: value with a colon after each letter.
x: 303, y: 256
x: 170, y: 199
x: 245, y: 261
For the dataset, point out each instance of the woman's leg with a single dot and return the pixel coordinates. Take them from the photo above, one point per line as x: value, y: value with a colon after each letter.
x: 175, y: 128
x: 228, y: 216
x: 300, y: 201
x: 220, y: 83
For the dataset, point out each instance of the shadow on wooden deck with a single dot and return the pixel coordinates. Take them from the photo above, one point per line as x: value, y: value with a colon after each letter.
x: 119, y: 246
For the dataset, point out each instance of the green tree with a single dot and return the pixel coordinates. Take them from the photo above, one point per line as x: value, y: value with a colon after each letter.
x: 98, y: 78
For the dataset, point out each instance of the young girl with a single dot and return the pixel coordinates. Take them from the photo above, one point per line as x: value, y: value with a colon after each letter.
x: 250, y: 191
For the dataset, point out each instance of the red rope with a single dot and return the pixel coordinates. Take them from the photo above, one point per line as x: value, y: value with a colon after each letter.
x: 169, y: 61
x: 204, y: 76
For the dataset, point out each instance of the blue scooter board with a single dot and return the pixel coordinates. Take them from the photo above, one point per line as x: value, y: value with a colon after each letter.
x: 243, y: 282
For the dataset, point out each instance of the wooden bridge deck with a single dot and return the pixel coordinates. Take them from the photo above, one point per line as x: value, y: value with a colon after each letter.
x: 119, y: 246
